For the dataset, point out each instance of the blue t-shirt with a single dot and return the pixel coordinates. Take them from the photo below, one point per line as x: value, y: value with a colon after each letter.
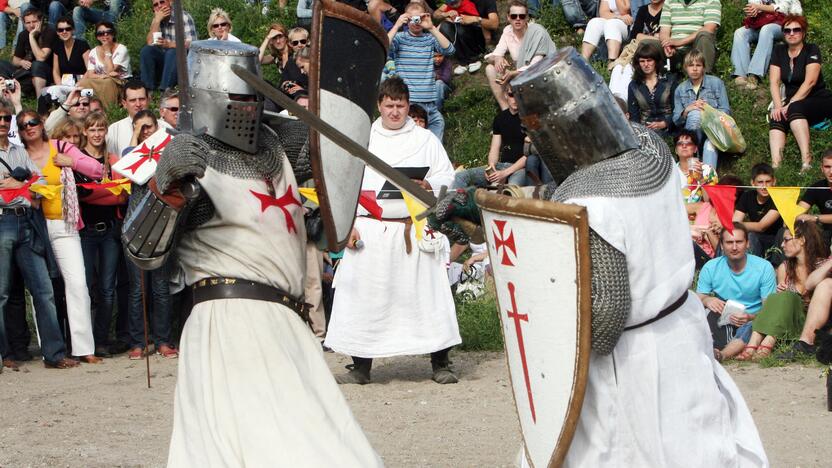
x: 749, y: 288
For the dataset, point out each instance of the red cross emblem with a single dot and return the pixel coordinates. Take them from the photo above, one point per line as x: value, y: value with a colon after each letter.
x: 517, y: 318
x: 154, y: 153
x: 504, y: 239
x: 430, y: 232
x: 287, y: 199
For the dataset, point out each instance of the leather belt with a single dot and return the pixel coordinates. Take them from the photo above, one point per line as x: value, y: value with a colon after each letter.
x: 664, y: 313
x: 17, y: 211
x: 211, y: 289
x: 100, y: 227
x: 408, y: 222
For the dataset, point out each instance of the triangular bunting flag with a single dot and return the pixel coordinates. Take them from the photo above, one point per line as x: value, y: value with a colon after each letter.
x: 310, y: 194
x: 414, y: 208
x: 723, y: 198
x: 785, y: 199
x: 368, y: 201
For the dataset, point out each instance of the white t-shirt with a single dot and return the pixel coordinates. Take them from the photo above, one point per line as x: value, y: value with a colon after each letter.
x: 120, y: 58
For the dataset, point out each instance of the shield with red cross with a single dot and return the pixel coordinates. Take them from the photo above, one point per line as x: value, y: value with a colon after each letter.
x: 539, y: 253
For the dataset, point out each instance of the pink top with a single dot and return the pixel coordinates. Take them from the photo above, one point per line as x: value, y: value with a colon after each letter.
x: 509, y: 42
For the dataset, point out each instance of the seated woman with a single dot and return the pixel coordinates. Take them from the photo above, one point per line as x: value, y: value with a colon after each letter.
x: 612, y: 23
x: 219, y: 26
x: 749, y: 69
x: 784, y: 312
x: 690, y: 98
x: 693, y: 173
x: 526, y: 44
x: 275, y: 47
x: 796, y: 64
x: 817, y: 315
x: 69, y: 59
x: 650, y: 95
x: 108, y: 65
x: 645, y: 28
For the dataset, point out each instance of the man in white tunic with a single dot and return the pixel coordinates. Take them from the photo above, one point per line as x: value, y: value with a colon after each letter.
x: 253, y: 389
x: 392, y: 296
x: 655, y: 395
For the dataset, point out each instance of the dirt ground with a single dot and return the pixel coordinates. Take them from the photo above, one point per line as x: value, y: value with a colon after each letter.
x: 103, y: 415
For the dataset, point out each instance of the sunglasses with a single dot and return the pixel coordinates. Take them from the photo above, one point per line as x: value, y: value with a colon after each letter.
x: 155, y: 4
x: 684, y: 143
x: 31, y: 123
x: 788, y: 31
x: 6, y: 118
x: 63, y: 30
x: 81, y: 104
x: 299, y: 42
x: 104, y: 32
x: 516, y: 16
x: 219, y: 25
x: 172, y: 109
x: 510, y: 94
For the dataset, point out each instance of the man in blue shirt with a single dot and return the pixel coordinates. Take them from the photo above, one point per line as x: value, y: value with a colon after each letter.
x: 739, y: 276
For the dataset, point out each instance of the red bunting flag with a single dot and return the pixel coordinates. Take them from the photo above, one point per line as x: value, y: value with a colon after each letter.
x: 10, y: 194
x: 368, y: 201
x: 723, y: 198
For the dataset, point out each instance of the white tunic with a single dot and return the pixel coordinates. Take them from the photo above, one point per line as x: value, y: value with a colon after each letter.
x: 660, y: 399
x: 388, y: 302
x: 254, y: 389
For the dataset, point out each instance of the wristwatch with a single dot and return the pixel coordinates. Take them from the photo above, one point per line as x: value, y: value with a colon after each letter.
x: 817, y: 219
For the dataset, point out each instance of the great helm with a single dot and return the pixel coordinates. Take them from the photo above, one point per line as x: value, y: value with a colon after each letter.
x: 570, y: 113
x: 228, y: 108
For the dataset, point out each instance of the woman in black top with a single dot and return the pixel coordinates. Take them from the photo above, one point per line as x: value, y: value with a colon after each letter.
x: 796, y: 64
x: 70, y: 54
x: 650, y: 95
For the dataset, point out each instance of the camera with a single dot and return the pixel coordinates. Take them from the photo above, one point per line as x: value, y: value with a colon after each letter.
x: 9, y: 84
x: 86, y: 92
x: 415, y: 20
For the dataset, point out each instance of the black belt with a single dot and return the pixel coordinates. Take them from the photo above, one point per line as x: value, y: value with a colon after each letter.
x: 100, y: 227
x: 664, y: 313
x: 17, y: 211
x: 211, y: 289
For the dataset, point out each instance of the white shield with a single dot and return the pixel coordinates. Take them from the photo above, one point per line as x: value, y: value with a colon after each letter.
x: 540, y: 256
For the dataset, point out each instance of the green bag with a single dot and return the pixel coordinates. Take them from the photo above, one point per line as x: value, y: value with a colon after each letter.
x: 722, y: 130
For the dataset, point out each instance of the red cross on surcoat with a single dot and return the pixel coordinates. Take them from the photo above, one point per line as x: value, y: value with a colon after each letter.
x: 506, y: 242
x: 154, y: 153
x: 517, y: 318
x: 287, y: 199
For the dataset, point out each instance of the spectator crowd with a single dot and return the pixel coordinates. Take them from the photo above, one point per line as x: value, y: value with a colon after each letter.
x: 763, y: 278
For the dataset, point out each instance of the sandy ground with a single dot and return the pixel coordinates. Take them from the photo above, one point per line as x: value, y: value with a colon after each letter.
x: 103, y: 415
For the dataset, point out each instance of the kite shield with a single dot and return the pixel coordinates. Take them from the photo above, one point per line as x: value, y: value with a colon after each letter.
x: 540, y: 257
x: 349, y: 50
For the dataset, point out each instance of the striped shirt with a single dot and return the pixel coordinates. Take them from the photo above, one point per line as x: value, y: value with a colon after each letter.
x: 414, y: 63
x: 685, y: 19
x: 16, y: 156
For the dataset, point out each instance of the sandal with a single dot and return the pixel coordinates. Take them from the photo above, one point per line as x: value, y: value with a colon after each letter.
x: 763, y: 352
x: 746, y: 353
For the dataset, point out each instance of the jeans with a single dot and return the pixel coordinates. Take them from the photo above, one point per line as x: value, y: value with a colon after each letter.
x: 694, y: 122
x: 153, y: 58
x: 442, y: 92
x: 535, y: 165
x: 475, y: 177
x: 157, y: 292
x: 436, y: 123
x: 744, y: 62
x: 56, y: 10
x: 579, y: 12
x: 18, y: 244
x: 82, y: 15
x: 102, y: 252
x: 759, y: 243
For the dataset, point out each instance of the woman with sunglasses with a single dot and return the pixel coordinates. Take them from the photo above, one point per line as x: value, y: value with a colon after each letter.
x: 797, y: 66
x: 275, y: 47
x: 57, y: 160
x: 219, y: 26
x: 70, y: 55
x: 102, y: 210
x: 108, y: 65
x: 526, y: 44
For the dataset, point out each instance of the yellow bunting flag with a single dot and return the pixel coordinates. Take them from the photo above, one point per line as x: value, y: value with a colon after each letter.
x: 48, y: 192
x: 122, y: 185
x: 785, y: 199
x: 310, y: 194
x: 414, y: 208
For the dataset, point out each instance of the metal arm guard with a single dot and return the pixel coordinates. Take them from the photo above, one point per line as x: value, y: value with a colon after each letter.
x: 150, y: 230
x: 610, y: 293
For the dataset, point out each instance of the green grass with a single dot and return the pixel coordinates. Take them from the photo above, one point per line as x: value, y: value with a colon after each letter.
x: 479, y: 324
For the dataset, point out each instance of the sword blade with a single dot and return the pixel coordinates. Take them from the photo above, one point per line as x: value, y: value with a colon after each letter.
x: 401, y: 181
x: 186, y: 121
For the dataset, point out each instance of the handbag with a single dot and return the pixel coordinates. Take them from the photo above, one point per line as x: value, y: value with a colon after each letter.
x: 762, y: 19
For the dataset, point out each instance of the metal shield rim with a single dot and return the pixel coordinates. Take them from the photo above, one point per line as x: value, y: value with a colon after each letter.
x: 576, y: 216
x: 322, y: 9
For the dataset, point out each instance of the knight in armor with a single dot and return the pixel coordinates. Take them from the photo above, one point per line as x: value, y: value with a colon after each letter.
x: 253, y: 387
x: 655, y: 395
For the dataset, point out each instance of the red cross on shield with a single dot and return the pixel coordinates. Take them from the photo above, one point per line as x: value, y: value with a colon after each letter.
x: 504, y: 240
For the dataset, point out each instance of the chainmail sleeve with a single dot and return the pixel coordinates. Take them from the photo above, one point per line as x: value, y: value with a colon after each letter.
x: 610, y: 293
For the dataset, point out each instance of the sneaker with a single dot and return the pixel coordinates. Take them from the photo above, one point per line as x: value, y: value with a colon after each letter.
x: 102, y: 352
x: 460, y: 70
x: 741, y: 81
x: 752, y: 82
x: 803, y: 347
x: 474, y: 67
x: 167, y: 352
x: 136, y: 354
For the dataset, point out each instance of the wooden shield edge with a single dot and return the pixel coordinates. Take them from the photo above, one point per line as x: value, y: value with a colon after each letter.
x: 576, y: 216
x: 333, y: 9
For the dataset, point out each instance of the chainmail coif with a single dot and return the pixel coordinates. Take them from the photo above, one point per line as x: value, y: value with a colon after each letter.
x: 294, y: 135
x: 266, y: 163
